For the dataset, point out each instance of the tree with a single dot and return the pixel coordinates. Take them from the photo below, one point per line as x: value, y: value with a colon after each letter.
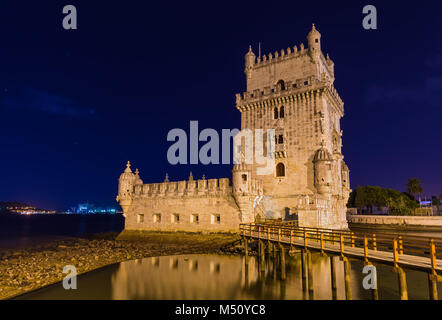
x: 360, y: 198
x: 414, y: 187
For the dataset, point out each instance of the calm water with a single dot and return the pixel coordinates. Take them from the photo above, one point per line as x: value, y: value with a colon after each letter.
x: 24, y: 230
x: 226, y: 277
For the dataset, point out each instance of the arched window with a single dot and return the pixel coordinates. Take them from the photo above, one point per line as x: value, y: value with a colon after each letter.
x: 281, y: 85
x: 280, y: 139
x: 281, y: 112
x: 280, y: 170
x: 276, y: 113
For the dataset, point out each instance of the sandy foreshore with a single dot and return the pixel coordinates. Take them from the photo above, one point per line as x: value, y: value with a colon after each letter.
x: 26, y: 269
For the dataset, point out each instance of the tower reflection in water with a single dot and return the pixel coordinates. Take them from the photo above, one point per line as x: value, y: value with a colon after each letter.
x: 234, y: 277
x: 228, y: 277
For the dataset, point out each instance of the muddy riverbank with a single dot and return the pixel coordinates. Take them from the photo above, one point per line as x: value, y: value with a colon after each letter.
x: 27, y: 269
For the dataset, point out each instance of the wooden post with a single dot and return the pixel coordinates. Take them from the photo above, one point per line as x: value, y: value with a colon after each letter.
x: 333, y: 278
x: 395, y: 253
x: 432, y: 277
x: 347, y: 278
x: 282, y: 261
x: 279, y: 235
x: 246, y: 251
x: 341, y: 241
x: 304, y: 271
x: 433, y: 256
x: 262, y: 256
x: 401, y: 245
x: 310, y: 276
x: 305, y: 240
x: 291, y: 239
x: 322, y: 242
x: 365, y: 248
x: 402, y: 279
x: 269, y: 248
x: 432, y: 286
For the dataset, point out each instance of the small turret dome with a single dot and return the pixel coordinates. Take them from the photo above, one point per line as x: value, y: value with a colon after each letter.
x: 137, y: 179
x: 322, y: 155
x: 314, y: 33
x: 127, y: 174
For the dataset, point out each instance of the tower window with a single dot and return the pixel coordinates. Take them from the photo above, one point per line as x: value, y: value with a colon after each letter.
x: 194, y: 218
x: 244, y: 177
x: 316, y: 40
x: 281, y: 85
x: 157, y: 218
x: 276, y: 113
x: 175, y: 218
x: 215, y: 219
x: 281, y: 112
x: 280, y: 139
x: 140, y: 218
x: 280, y: 170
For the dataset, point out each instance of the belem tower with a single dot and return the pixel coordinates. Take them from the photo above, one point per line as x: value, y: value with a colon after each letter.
x: 292, y: 92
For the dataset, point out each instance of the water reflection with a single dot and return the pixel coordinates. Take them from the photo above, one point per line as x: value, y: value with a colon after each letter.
x: 307, y: 276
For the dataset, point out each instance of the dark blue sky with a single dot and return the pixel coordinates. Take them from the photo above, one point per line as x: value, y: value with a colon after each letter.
x: 76, y: 105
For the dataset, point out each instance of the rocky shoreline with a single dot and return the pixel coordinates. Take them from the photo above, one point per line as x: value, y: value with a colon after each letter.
x: 26, y: 269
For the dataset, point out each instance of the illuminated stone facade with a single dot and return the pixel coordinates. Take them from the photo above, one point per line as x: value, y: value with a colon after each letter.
x: 292, y: 92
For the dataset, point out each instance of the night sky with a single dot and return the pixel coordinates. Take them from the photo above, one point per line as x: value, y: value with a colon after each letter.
x: 76, y: 105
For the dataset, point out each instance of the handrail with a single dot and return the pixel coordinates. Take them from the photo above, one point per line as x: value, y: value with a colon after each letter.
x: 398, y: 244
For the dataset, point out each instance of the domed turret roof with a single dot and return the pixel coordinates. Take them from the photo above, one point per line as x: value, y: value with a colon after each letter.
x: 127, y: 174
x: 250, y: 52
x: 314, y: 32
x: 322, y: 155
x: 137, y: 179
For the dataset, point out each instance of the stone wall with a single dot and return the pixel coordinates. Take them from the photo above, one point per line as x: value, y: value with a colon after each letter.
x: 194, y: 205
x: 396, y: 220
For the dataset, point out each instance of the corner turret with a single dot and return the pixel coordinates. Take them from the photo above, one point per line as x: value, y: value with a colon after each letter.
x: 126, y: 188
x: 250, y: 62
x: 323, y: 171
x: 314, y: 43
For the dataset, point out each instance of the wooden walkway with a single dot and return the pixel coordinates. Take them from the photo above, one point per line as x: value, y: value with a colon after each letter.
x: 417, y: 253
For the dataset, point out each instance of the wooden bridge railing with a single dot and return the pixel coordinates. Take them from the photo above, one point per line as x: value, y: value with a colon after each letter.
x: 422, y: 246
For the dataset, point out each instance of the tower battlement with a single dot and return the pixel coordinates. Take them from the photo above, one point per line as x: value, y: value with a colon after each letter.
x: 189, y: 188
x: 295, y: 90
x: 289, y: 65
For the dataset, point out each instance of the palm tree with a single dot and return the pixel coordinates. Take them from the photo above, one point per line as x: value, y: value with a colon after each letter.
x: 414, y: 187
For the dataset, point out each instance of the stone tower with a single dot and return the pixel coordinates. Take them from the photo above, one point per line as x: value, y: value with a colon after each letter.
x: 292, y: 91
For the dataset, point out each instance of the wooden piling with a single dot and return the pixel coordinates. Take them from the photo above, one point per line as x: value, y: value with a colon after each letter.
x: 262, y: 256
x: 432, y: 286
x: 282, y: 262
x: 304, y: 271
x: 310, y: 276
x: 333, y: 278
x: 347, y: 278
x: 402, y: 281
